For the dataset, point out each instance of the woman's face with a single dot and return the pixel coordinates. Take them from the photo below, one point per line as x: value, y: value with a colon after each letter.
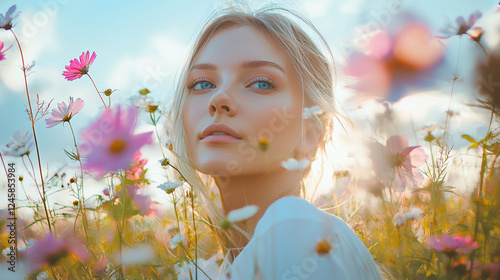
x: 246, y: 81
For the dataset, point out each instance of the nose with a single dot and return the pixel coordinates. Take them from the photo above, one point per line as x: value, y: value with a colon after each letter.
x: 222, y: 103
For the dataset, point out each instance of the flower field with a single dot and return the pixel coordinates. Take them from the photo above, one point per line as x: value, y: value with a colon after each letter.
x: 421, y: 210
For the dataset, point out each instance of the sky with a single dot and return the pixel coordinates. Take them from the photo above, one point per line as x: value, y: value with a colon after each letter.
x: 143, y: 44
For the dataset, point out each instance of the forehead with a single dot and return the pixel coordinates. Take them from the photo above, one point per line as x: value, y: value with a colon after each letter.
x: 231, y: 46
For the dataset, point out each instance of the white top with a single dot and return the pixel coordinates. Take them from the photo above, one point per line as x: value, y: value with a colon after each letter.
x: 284, y: 246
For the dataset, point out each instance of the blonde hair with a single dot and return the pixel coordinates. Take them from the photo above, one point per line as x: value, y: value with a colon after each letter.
x: 316, y: 78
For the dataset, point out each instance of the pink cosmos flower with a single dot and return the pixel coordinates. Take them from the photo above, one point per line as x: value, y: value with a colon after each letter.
x: 136, y: 170
x: 50, y: 250
x: 2, y: 53
x: 109, y: 143
x: 6, y: 21
x: 452, y: 245
x: 78, y: 68
x: 398, y: 162
x: 460, y: 27
x: 64, y: 112
x: 395, y: 62
x: 140, y: 201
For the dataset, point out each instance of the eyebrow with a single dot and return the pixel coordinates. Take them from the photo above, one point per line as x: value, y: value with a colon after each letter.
x: 244, y: 64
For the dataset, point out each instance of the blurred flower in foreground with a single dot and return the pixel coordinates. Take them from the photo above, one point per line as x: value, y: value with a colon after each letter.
x: 452, y: 245
x: 136, y: 170
x: 488, y: 73
x: 20, y: 145
x: 140, y: 201
x: 312, y: 111
x: 2, y: 53
x: 293, y: 164
x: 394, y: 64
x: 6, y: 21
x: 186, y: 269
x: 398, y: 162
x: 239, y: 215
x: 401, y: 217
x: 109, y: 144
x: 100, y: 267
x: 64, y: 112
x: 460, y: 27
x: 50, y: 250
x: 139, y: 254
x: 78, y: 68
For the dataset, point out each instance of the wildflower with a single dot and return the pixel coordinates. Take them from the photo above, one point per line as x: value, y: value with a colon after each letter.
x: 106, y: 192
x: 141, y: 202
x: 170, y: 187
x: 263, y: 144
x: 101, y: 266
x: 489, y: 79
x: 178, y: 238
x: 136, y: 170
x: 152, y: 108
x: 78, y: 68
x: 72, y: 180
x: 312, y: 111
x: 2, y: 53
x: 242, y: 213
x: 138, y: 254
x: 452, y: 245
x: 50, y: 250
x: 398, y: 162
x: 75, y: 203
x: 461, y: 27
x: 394, y: 64
x: 293, y: 164
x: 323, y: 247
x: 144, y: 91
x: 20, y: 145
x: 21, y: 178
x: 6, y: 21
x: 401, y: 217
x: 164, y: 162
x: 109, y: 91
x: 142, y: 101
x: 109, y: 143
x: 64, y: 112
x: 476, y: 34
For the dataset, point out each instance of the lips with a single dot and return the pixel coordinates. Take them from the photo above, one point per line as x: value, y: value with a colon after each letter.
x: 219, y: 128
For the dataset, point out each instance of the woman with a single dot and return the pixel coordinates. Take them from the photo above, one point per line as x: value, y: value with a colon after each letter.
x: 237, y: 114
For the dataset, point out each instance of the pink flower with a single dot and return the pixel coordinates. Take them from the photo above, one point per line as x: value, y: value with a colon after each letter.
x: 2, y: 53
x: 140, y: 201
x: 136, y: 170
x: 452, y: 245
x: 64, y: 112
x: 77, y: 69
x: 399, y: 162
x: 109, y: 143
x: 6, y: 21
x: 461, y: 27
x: 101, y: 266
x: 50, y: 250
x: 395, y: 62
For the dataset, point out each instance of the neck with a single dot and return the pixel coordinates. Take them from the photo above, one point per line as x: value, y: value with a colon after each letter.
x: 260, y: 190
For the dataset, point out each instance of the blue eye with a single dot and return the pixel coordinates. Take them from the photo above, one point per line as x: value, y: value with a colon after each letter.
x: 263, y: 84
x: 202, y: 85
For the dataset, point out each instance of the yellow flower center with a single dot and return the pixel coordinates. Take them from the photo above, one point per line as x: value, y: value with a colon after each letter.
x: 117, y: 146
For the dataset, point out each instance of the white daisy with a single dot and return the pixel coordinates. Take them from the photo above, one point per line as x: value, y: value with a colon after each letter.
x: 170, y: 186
x: 20, y: 145
x: 242, y: 213
x: 293, y: 164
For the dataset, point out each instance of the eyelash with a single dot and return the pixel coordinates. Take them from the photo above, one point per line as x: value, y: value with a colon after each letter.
x: 197, y: 81
x: 269, y: 81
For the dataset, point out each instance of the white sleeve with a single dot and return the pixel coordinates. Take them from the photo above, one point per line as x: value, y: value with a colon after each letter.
x: 284, y: 247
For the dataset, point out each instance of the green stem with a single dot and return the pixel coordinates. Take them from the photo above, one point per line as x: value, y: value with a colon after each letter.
x: 98, y: 93
x: 34, y: 132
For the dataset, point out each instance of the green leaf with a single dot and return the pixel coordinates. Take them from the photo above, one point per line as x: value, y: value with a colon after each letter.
x: 72, y: 155
x: 470, y: 139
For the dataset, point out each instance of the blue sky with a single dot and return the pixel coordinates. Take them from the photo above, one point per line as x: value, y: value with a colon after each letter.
x: 144, y: 43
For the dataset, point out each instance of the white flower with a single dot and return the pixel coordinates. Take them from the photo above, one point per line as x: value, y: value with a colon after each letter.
x: 138, y: 254
x: 170, y: 186
x: 142, y: 101
x: 242, y: 213
x: 209, y: 267
x: 293, y: 164
x: 309, y: 112
x: 401, y: 217
x: 178, y: 238
x: 20, y: 145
